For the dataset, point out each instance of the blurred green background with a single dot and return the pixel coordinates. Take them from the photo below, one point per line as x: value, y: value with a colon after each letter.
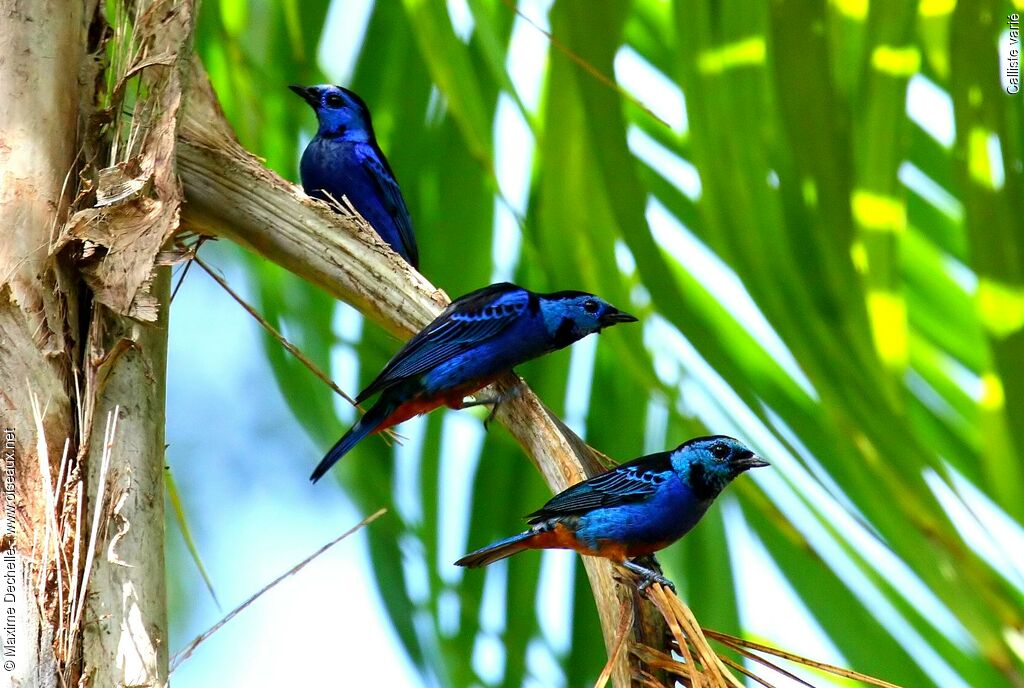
x: 817, y: 209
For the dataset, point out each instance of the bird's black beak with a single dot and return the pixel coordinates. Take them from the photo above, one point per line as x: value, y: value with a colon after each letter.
x: 614, y: 316
x: 310, y: 94
x: 748, y: 460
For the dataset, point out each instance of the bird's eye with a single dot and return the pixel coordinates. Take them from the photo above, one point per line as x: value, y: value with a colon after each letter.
x: 719, y: 451
x: 590, y: 306
x: 333, y: 100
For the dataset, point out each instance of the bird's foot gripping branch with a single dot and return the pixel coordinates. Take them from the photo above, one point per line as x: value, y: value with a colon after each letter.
x: 627, y: 513
x: 230, y: 194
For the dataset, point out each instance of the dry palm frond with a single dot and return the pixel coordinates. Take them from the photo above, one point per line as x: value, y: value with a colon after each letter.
x: 274, y: 332
x: 703, y: 667
x: 625, y: 622
x: 187, y: 651
x: 745, y: 646
x: 586, y: 66
x: 79, y: 583
x: 691, y: 659
x: 295, y: 351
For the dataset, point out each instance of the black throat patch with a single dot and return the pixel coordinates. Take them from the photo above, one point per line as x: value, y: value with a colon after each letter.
x: 703, y: 487
x: 564, y: 334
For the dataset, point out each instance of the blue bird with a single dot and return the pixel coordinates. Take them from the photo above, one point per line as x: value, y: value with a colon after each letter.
x: 634, y: 509
x: 344, y: 159
x: 476, y: 340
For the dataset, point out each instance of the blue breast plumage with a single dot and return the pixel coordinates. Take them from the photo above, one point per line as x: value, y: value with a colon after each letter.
x: 356, y: 170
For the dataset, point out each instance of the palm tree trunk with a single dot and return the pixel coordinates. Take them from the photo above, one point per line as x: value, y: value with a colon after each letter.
x: 83, y: 337
x: 125, y: 632
x: 41, y: 46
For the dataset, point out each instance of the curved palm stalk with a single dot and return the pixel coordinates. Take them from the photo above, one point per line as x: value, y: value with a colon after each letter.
x: 231, y: 194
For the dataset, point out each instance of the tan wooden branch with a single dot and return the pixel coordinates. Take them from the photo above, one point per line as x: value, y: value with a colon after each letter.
x: 41, y: 45
x: 230, y: 194
x: 136, y: 212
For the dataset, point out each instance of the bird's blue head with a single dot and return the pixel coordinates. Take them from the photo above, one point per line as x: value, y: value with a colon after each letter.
x: 571, y: 315
x: 708, y: 464
x: 340, y: 112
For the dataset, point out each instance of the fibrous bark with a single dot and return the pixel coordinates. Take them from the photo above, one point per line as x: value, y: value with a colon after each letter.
x: 41, y: 45
x: 125, y: 620
x: 135, y: 214
x: 83, y: 333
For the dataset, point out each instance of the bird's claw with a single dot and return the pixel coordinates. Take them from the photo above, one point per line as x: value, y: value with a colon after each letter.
x: 507, y: 396
x: 494, y: 402
x: 490, y: 416
x: 650, y: 580
x: 648, y: 576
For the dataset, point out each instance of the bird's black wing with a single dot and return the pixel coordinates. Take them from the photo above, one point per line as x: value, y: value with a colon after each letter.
x: 467, y: 322
x: 381, y: 174
x: 630, y: 482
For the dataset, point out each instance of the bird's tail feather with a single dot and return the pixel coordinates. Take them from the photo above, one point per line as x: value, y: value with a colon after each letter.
x: 369, y: 423
x: 497, y: 551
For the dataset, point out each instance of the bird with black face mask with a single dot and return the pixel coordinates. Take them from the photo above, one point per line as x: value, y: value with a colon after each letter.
x: 477, y: 339
x: 632, y: 510
x: 343, y: 159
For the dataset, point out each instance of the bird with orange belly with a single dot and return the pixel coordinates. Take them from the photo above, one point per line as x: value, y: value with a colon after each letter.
x: 634, y: 509
x: 477, y: 339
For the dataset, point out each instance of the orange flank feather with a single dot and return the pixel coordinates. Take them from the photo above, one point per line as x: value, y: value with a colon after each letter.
x: 419, y: 405
x: 617, y: 551
x: 378, y: 418
x: 408, y: 410
x: 562, y: 537
x: 557, y: 535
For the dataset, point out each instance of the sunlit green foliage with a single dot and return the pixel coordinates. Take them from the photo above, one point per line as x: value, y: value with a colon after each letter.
x: 889, y: 263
